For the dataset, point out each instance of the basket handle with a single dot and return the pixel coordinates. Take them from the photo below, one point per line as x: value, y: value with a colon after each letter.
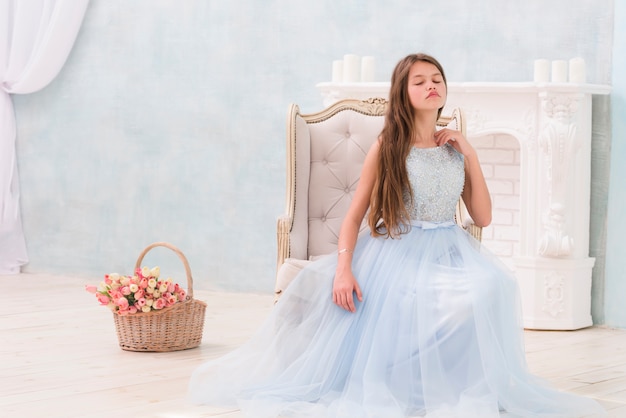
x: 180, y: 255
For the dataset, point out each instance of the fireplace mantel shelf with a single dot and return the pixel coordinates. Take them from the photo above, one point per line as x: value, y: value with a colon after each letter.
x: 552, y: 123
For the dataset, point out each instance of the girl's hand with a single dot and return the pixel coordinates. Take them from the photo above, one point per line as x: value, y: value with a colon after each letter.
x: 456, y: 139
x: 475, y: 192
x: 344, y: 288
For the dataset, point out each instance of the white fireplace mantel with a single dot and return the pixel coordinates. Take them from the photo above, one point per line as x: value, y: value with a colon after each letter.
x: 552, y: 122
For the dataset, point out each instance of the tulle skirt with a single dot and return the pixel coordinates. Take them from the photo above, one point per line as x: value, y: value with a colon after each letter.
x: 438, y: 334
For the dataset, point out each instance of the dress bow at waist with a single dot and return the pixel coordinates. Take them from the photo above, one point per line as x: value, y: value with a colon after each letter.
x: 431, y: 225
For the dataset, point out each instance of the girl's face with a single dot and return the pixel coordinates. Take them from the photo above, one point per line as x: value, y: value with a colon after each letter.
x: 426, y: 88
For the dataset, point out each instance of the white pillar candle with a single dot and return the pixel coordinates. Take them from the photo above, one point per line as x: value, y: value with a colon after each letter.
x: 337, y: 71
x: 368, y: 69
x: 542, y: 71
x: 577, y: 72
x: 559, y: 71
x: 351, y: 68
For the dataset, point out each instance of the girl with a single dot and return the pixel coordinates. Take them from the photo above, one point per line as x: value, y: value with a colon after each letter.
x: 413, y: 319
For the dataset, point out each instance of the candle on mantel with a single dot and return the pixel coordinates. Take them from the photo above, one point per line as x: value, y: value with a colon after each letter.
x: 368, y: 69
x: 337, y: 71
x: 577, y: 73
x: 542, y: 71
x: 559, y: 71
x: 351, y: 68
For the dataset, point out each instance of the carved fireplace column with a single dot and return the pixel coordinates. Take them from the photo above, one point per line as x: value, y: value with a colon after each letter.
x: 554, y: 267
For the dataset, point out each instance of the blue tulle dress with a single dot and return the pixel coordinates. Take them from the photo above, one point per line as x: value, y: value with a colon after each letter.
x: 438, y: 333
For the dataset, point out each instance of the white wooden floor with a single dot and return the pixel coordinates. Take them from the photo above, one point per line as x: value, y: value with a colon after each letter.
x: 59, y: 355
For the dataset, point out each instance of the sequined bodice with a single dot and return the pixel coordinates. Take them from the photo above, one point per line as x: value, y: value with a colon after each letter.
x: 437, y: 177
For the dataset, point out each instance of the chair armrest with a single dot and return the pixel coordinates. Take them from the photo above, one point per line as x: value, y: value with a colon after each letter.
x: 283, y: 227
x: 475, y: 231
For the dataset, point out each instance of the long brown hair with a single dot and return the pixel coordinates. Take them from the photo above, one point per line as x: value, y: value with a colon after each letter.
x: 387, y: 209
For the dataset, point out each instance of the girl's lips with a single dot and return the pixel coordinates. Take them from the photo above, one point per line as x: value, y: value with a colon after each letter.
x: 433, y: 94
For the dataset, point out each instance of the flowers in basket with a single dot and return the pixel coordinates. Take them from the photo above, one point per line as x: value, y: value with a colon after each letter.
x: 143, y: 292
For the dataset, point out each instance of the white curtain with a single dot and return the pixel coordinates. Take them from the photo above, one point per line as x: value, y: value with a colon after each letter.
x: 36, y: 36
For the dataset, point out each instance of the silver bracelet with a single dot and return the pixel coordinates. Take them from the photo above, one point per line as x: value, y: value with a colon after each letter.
x: 345, y: 250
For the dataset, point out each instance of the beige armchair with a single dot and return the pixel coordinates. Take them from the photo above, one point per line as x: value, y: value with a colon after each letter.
x: 325, y: 153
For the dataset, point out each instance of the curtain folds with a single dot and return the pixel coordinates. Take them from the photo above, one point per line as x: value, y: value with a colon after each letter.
x: 36, y: 37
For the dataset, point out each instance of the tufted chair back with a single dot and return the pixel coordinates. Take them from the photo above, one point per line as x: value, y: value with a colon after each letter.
x: 325, y: 153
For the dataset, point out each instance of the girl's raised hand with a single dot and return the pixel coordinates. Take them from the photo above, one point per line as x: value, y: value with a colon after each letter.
x: 455, y: 138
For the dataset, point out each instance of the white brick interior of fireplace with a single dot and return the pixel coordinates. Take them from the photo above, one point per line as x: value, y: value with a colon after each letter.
x: 499, y: 155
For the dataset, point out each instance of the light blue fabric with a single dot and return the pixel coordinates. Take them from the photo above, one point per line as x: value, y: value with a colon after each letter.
x: 438, y: 334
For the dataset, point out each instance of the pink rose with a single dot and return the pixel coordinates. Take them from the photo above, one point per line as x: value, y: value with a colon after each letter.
x: 140, y: 302
x: 171, y: 299
x: 139, y: 294
x: 122, y: 303
x: 125, y: 290
x: 159, y: 303
x: 182, y: 294
x: 143, y: 283
x: 91, y: 288
x: 116, y: 294
x: 132, y: 309
x: 103, y: 299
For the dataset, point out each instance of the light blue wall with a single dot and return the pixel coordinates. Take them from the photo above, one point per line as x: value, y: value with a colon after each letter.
x: 616, y: 249
x: 167, y: 122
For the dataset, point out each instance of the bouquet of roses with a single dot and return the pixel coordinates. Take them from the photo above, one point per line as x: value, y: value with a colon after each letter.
x: 143, y: 292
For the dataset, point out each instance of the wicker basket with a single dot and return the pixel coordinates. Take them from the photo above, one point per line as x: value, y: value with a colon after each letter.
x: 177, y: 327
